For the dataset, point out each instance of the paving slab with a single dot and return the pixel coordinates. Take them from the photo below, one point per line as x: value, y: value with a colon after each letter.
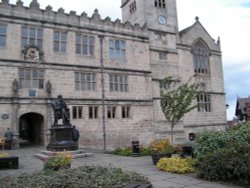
x: 28, y: 163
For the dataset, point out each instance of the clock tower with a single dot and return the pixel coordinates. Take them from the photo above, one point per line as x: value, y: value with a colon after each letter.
x: 157, y: 14
x: 160, y: 16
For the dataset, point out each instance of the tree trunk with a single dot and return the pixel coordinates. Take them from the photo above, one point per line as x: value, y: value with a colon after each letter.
x: 172, y: 133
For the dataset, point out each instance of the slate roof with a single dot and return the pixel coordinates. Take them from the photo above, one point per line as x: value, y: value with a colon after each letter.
x: 241, y: 105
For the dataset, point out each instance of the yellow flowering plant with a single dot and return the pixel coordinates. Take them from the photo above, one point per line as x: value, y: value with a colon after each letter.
x: 176, y: 165
x: 161, y: 146
x: 3, y: 155
x: 60, y: 159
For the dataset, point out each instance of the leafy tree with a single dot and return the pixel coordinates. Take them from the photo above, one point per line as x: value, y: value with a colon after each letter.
x: 177, y: 102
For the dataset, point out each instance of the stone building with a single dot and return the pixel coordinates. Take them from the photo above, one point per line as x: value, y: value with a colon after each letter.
x: 96, y: 63
x: 242, y: 109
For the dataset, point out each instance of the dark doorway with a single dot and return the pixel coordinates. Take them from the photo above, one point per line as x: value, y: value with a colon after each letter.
x: 31, y: 128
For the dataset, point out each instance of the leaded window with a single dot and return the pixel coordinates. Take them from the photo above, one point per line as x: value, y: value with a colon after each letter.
x: 85, y: 44
x: 85, y: 81
x: 118, y: 83
x: 60, y: 41
x: 31, y: 36
x: 117, y: 49
x: 160, y: 4
x: 111, y: 112
x: 77, y: 112
x: 31, y: 78
x: 201, y: 58
x: 125, y: 111
x: 132, y: 7
x: 93, y: 112
x: 3, y: 35
x: 204, y: 102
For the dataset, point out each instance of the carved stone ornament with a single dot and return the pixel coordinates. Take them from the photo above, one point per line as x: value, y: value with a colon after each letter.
x: 32, y: 53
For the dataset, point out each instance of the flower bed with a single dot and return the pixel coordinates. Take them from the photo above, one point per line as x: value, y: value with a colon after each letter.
x: 61, y: 160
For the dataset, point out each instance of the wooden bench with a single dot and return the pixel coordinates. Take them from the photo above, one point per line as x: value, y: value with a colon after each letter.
x: 9, y: 162
x: 2, y: 143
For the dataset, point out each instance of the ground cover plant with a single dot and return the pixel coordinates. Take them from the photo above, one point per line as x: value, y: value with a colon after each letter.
x: 144, y: 151
x: 82, y: 177
x: 224, y: 155
x: 176, y: 165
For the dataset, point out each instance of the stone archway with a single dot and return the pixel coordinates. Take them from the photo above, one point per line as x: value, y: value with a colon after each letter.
x: 31, y: 128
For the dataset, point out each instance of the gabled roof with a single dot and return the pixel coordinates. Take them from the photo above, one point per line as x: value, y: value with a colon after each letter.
x: 197, y: 26
x: 241, y: 105
x: 197, y: 22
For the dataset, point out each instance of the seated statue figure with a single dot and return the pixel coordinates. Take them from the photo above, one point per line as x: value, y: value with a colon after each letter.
x: 61, y: 111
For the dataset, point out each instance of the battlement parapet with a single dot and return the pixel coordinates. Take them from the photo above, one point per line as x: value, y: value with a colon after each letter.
x: 35, y: 13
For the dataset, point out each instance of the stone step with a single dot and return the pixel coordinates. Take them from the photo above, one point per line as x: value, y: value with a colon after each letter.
x: 82, y: 155
x: 51, y: 153
x: 42, y: 156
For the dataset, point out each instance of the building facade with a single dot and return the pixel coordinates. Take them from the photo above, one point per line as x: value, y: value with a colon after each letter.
x: 107, y: 71
x: 242, y: 109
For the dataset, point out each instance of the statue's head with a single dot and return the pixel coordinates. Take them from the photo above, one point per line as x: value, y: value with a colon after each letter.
x: 59, y: 96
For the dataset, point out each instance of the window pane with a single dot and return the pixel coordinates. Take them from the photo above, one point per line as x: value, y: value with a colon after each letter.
x: 111, y: 43
x: 24, y: 32
x: 63, y: 37
x: 91, y: 41
x: 2, y: 40
x: 41, y: 84
x: 56, y: 46
x: 90, y: 112
x: 32, y: 33
x: 78, y: 39
x: 77, y: 85
x: 40, y: 34
x: 63, y: 47
x: 35, y: 74
x: 74, y: 111
x: 24, y: 42
x: 85, y: 50
x: 122, y: 44
x: 91, y: 50
x: 56, y: 36
x: 84, y: 40
x: 40, y: 43
x: 78, y: 49
x: 2, y: 29
x: 79, y: 112
x: 77, y: 76
x: 41, y: 74
x: 35, y: 84
x: 27, y: 74
x: 117, y: 44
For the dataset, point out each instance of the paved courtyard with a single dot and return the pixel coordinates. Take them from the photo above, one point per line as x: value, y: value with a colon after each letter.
x: 30, y: 164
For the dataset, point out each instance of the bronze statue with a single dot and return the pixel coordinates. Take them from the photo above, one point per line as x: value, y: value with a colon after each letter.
x: 61, y: 111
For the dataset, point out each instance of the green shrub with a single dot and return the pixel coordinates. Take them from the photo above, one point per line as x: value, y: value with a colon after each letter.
x: 87, y: 176
x: 209, y: 141
x: 121, y: 151
x: 144, y: 151
x: 228, y: 164
x: 224, y: 155
x: 176, y: 165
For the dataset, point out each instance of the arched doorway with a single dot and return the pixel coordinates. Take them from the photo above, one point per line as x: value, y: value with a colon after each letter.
x: 31, y: 128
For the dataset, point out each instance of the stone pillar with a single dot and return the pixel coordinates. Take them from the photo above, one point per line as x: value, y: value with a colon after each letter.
x: 14, y: 118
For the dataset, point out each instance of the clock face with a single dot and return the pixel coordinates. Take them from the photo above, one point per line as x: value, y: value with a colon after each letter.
x: 162, y: 19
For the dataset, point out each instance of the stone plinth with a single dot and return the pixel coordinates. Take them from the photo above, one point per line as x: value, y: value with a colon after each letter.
x: 61, y: 139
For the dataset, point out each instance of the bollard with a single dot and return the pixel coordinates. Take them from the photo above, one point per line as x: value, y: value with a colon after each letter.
x: 135, y: 148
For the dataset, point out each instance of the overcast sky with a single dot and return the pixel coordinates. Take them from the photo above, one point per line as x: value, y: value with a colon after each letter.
x: 229, y: 19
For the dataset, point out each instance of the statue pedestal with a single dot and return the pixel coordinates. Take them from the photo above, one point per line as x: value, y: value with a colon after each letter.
x: 61, y: 139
